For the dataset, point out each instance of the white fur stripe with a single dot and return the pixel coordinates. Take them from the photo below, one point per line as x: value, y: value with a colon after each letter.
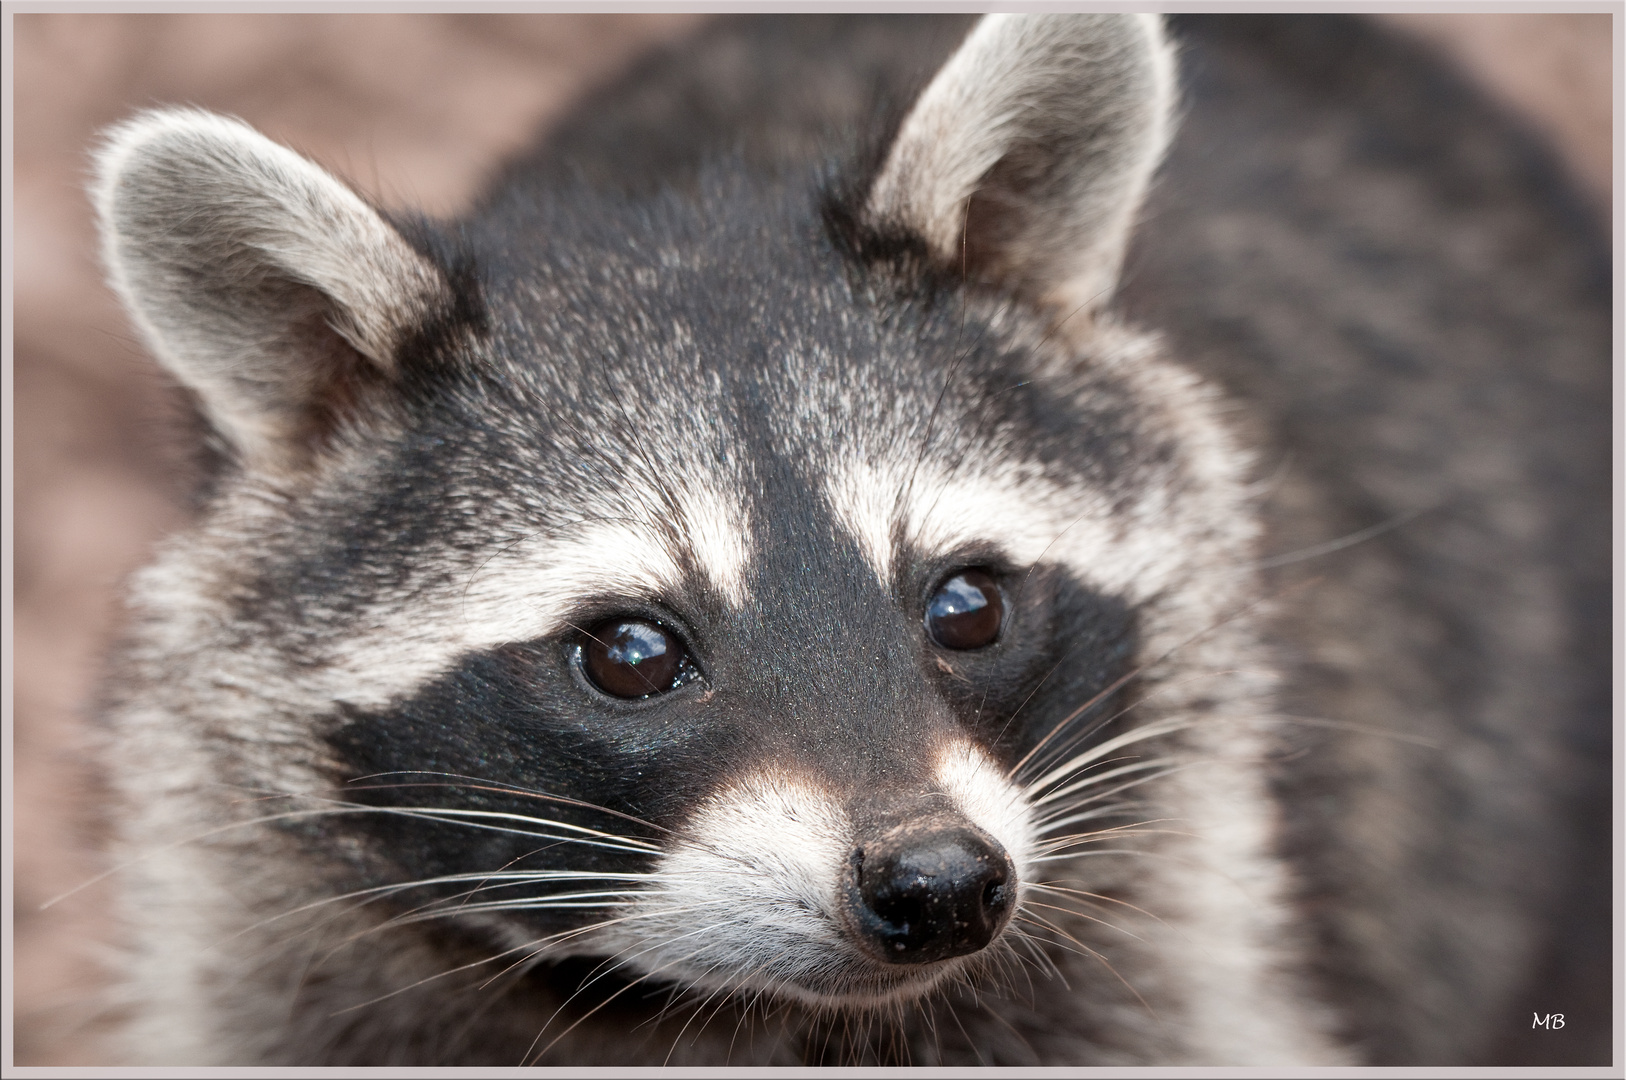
x: 715, y: 531
x: 1027, y: 516
x: 528, y: 590
x: 981, y: 791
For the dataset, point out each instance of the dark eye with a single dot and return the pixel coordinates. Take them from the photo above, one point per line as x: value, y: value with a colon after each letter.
x: 965, y: 611
x: 628, y: 658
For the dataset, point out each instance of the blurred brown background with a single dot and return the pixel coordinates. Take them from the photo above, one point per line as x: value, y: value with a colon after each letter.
x: 415, y: 109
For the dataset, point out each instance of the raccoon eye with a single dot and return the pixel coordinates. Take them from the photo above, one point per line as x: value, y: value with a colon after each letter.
x: 966, y: 611
x: 628, y: 658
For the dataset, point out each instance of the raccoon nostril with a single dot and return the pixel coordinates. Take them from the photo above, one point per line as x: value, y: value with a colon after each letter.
x: 907, y: 914
x: 931, y: 894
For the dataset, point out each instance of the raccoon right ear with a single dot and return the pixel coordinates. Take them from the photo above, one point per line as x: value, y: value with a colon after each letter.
x: 1025, y: 158
x: 264, y: 284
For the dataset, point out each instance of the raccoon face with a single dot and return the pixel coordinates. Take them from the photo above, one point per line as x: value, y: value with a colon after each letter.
x: 745, y: 591
x: 751, y: 718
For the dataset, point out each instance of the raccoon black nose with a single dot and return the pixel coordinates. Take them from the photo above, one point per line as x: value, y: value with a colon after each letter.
x: 925, y: 894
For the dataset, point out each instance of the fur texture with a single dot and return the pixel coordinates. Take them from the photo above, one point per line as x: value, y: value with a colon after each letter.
x: 769, y: 400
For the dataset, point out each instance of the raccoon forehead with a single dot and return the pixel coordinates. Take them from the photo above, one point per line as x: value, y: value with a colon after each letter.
x: 1109, y: 460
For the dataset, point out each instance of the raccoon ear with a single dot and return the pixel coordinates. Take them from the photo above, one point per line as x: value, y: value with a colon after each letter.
x: 1027, y: 155
x: 263, y: 283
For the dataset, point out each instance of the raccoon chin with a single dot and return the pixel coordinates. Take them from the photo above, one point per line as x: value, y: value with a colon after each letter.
x: 834, y: 985
x: 870, y: 990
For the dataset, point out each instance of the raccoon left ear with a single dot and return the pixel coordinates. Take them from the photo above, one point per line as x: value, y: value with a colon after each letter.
x: 266, y: 285
x: 1026, y: 157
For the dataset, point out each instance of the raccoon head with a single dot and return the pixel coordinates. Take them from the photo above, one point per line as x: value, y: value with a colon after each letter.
x: 741, y: 589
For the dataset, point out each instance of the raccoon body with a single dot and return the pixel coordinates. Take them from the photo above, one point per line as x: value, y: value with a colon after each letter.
x: 746, y: 594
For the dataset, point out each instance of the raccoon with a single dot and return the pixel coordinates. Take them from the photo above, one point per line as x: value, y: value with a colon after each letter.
x: 754, y: 590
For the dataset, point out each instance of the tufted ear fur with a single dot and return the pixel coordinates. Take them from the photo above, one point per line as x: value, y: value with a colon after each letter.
x: 1027, y: 155
x: 263, y: 283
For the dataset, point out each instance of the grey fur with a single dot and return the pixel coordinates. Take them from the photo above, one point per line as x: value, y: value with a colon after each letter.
x: 718, y: 399
x: 249, y: 270
x: 997, y: 141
